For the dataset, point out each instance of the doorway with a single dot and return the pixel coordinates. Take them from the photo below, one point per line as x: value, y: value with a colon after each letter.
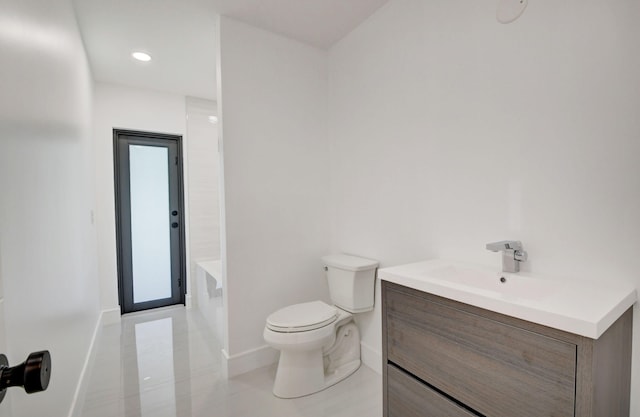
x: 149, y: 220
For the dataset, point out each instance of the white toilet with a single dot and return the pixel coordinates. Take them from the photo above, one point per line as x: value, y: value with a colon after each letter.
x: 319, y: 343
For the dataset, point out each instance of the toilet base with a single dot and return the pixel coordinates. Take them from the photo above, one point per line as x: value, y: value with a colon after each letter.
x: 303, y: 373
x: 341, y: 373
x: 301, y: 381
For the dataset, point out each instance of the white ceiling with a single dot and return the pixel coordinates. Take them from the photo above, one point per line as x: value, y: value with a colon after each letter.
x: 180, y: 35
x: 317, y: 22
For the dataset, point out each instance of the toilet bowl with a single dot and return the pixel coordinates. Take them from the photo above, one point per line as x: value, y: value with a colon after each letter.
x: 319, y: 346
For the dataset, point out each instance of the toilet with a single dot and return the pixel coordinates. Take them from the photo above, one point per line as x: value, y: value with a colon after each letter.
x: 319, y: 343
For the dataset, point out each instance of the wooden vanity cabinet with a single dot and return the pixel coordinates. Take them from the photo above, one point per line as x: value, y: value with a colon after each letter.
x: 443, y: 358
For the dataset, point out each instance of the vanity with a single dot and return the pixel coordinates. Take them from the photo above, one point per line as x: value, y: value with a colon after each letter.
x: 462, y: 340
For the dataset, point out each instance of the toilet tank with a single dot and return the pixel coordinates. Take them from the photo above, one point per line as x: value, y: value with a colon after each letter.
x: 351, y: 281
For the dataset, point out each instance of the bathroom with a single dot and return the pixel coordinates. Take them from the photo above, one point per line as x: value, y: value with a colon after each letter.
x: 426, y: 132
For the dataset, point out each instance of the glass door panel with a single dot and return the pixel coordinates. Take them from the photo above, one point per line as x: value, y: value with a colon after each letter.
x: 150, y: 222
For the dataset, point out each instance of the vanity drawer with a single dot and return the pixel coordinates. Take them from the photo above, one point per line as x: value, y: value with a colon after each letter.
x: 494, y: 368
x: 408, y: 397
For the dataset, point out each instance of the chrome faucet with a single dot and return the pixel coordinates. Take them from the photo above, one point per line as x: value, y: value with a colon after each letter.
x: 512, y: 254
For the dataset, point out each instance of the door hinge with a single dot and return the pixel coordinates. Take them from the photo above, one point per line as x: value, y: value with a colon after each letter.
x: 180, y: 282
x: 176, y: 160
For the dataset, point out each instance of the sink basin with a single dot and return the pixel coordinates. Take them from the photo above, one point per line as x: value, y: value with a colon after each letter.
x: 489, y: 282
x: 579, y: 307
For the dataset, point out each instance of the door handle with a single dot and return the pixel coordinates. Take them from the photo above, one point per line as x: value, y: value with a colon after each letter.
x: 32, y: 374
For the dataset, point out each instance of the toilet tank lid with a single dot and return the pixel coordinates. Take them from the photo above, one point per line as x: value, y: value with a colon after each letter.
x: 349, y: 262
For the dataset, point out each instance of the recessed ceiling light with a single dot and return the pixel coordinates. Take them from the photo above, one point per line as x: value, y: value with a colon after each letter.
x: 213, y: 119
x: 141, y: 56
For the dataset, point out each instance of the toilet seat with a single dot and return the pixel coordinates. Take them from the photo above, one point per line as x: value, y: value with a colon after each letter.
x: 302, y: 317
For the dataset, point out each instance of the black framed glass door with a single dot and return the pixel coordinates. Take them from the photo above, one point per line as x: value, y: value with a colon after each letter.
x: 149, y: 220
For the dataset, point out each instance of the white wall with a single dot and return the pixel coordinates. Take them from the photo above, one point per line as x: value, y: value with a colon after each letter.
x: 203, y: 180
x: 47, y: 241
x: 275, y: 159
x: 449, y: 130
x: 123, y: 108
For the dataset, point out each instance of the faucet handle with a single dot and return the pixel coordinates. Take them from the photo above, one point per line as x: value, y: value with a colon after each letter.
x: 504, y: 245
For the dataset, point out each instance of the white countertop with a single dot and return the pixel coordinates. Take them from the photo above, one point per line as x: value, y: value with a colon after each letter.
x: 579, y: 307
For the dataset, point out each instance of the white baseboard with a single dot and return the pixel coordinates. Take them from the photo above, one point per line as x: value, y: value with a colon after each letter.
x: 106, y: 317
x: 371, y: 357
x: 78, y: 396
x: 248, y: 360
x: 111, y: 316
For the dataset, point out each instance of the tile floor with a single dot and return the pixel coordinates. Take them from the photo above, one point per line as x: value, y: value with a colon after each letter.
x: 166, y: 363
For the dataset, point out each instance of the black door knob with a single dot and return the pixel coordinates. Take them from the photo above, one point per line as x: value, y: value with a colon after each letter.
x: 174, y: 224
x: 174, y: 213
x: 32, y: 374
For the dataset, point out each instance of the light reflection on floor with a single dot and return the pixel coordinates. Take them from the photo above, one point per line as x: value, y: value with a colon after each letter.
x: 166, y: 363
x: 150, y: 369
